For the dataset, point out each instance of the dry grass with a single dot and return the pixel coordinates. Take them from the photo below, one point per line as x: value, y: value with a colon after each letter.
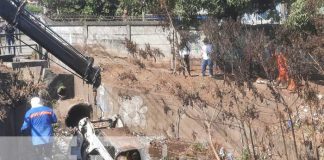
x: 128, y: 75
x: 14, y: 91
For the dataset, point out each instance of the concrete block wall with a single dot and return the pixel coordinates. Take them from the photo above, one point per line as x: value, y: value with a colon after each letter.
x: 112, y: 37
x: 156, y: 36
x: 73, y: 35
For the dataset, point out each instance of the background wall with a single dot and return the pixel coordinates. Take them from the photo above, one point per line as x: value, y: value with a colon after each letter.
x: 112, y: 35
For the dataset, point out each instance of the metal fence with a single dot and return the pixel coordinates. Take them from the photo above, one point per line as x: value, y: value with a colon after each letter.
x: 19, y: 47
x: 70, y: 18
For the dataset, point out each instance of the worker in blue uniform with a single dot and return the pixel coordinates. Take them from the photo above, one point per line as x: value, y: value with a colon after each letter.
x: 38, y: 123
x: 10, y: 38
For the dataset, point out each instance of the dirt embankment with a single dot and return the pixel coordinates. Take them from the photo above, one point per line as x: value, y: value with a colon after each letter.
x: 192, y: 108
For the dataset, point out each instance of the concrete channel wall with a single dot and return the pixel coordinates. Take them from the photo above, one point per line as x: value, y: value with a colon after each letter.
x: 111, y: 35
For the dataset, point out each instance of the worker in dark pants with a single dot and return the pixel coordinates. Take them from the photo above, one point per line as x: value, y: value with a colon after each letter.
x: 38, y: 123
x: 185, y: 55
x: 10, y: 38
x: 1, y: 29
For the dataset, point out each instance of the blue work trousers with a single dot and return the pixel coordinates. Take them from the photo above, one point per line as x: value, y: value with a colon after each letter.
x: 204, y: 64
x: 11, y: 44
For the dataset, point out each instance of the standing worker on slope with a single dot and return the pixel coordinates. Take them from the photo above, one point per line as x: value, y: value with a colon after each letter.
x: 10, y: 38
x: 283, y: 76
x: 206, y: 58
x: 38, y: 121
x: 184, y: 53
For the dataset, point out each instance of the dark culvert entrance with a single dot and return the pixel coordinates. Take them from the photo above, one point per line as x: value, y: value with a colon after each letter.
x: 62, y: 92
x: 11, y: 118
x: 13, y: 106
x: 76, y: 113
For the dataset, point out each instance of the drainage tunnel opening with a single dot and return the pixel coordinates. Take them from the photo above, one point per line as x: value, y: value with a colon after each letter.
x: 76, y: 113
x: 62, y: 92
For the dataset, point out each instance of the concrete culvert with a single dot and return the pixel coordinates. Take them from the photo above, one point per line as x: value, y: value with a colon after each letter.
x: 76, y: 113
x: 61, y: 92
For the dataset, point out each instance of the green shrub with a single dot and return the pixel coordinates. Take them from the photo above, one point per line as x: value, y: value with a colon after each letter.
x: 34, y: 9
x: 245, y: 155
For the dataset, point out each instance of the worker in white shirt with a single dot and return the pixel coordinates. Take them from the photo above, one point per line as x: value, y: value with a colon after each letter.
x: 206, y: 58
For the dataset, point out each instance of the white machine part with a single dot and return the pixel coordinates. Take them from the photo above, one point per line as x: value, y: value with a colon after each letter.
x: 89, y: 136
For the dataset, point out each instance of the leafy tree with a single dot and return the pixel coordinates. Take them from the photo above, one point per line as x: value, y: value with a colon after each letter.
x: 136, y: 7
x: 302, y: 13
x: 221, y: 8
x: 99, y: 7
x: 87, y: 7
x: 186, y: 9
x: 34, y: 9
x: 133, y: 7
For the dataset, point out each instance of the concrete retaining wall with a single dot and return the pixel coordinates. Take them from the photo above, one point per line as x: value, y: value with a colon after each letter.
x: 112, y: 37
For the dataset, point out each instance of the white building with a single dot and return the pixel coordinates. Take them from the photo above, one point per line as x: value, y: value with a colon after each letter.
x: 255, y: 19
x: 263, y: 18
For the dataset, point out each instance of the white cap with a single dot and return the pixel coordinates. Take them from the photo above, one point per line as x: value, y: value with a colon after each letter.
x: 36, y: 102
